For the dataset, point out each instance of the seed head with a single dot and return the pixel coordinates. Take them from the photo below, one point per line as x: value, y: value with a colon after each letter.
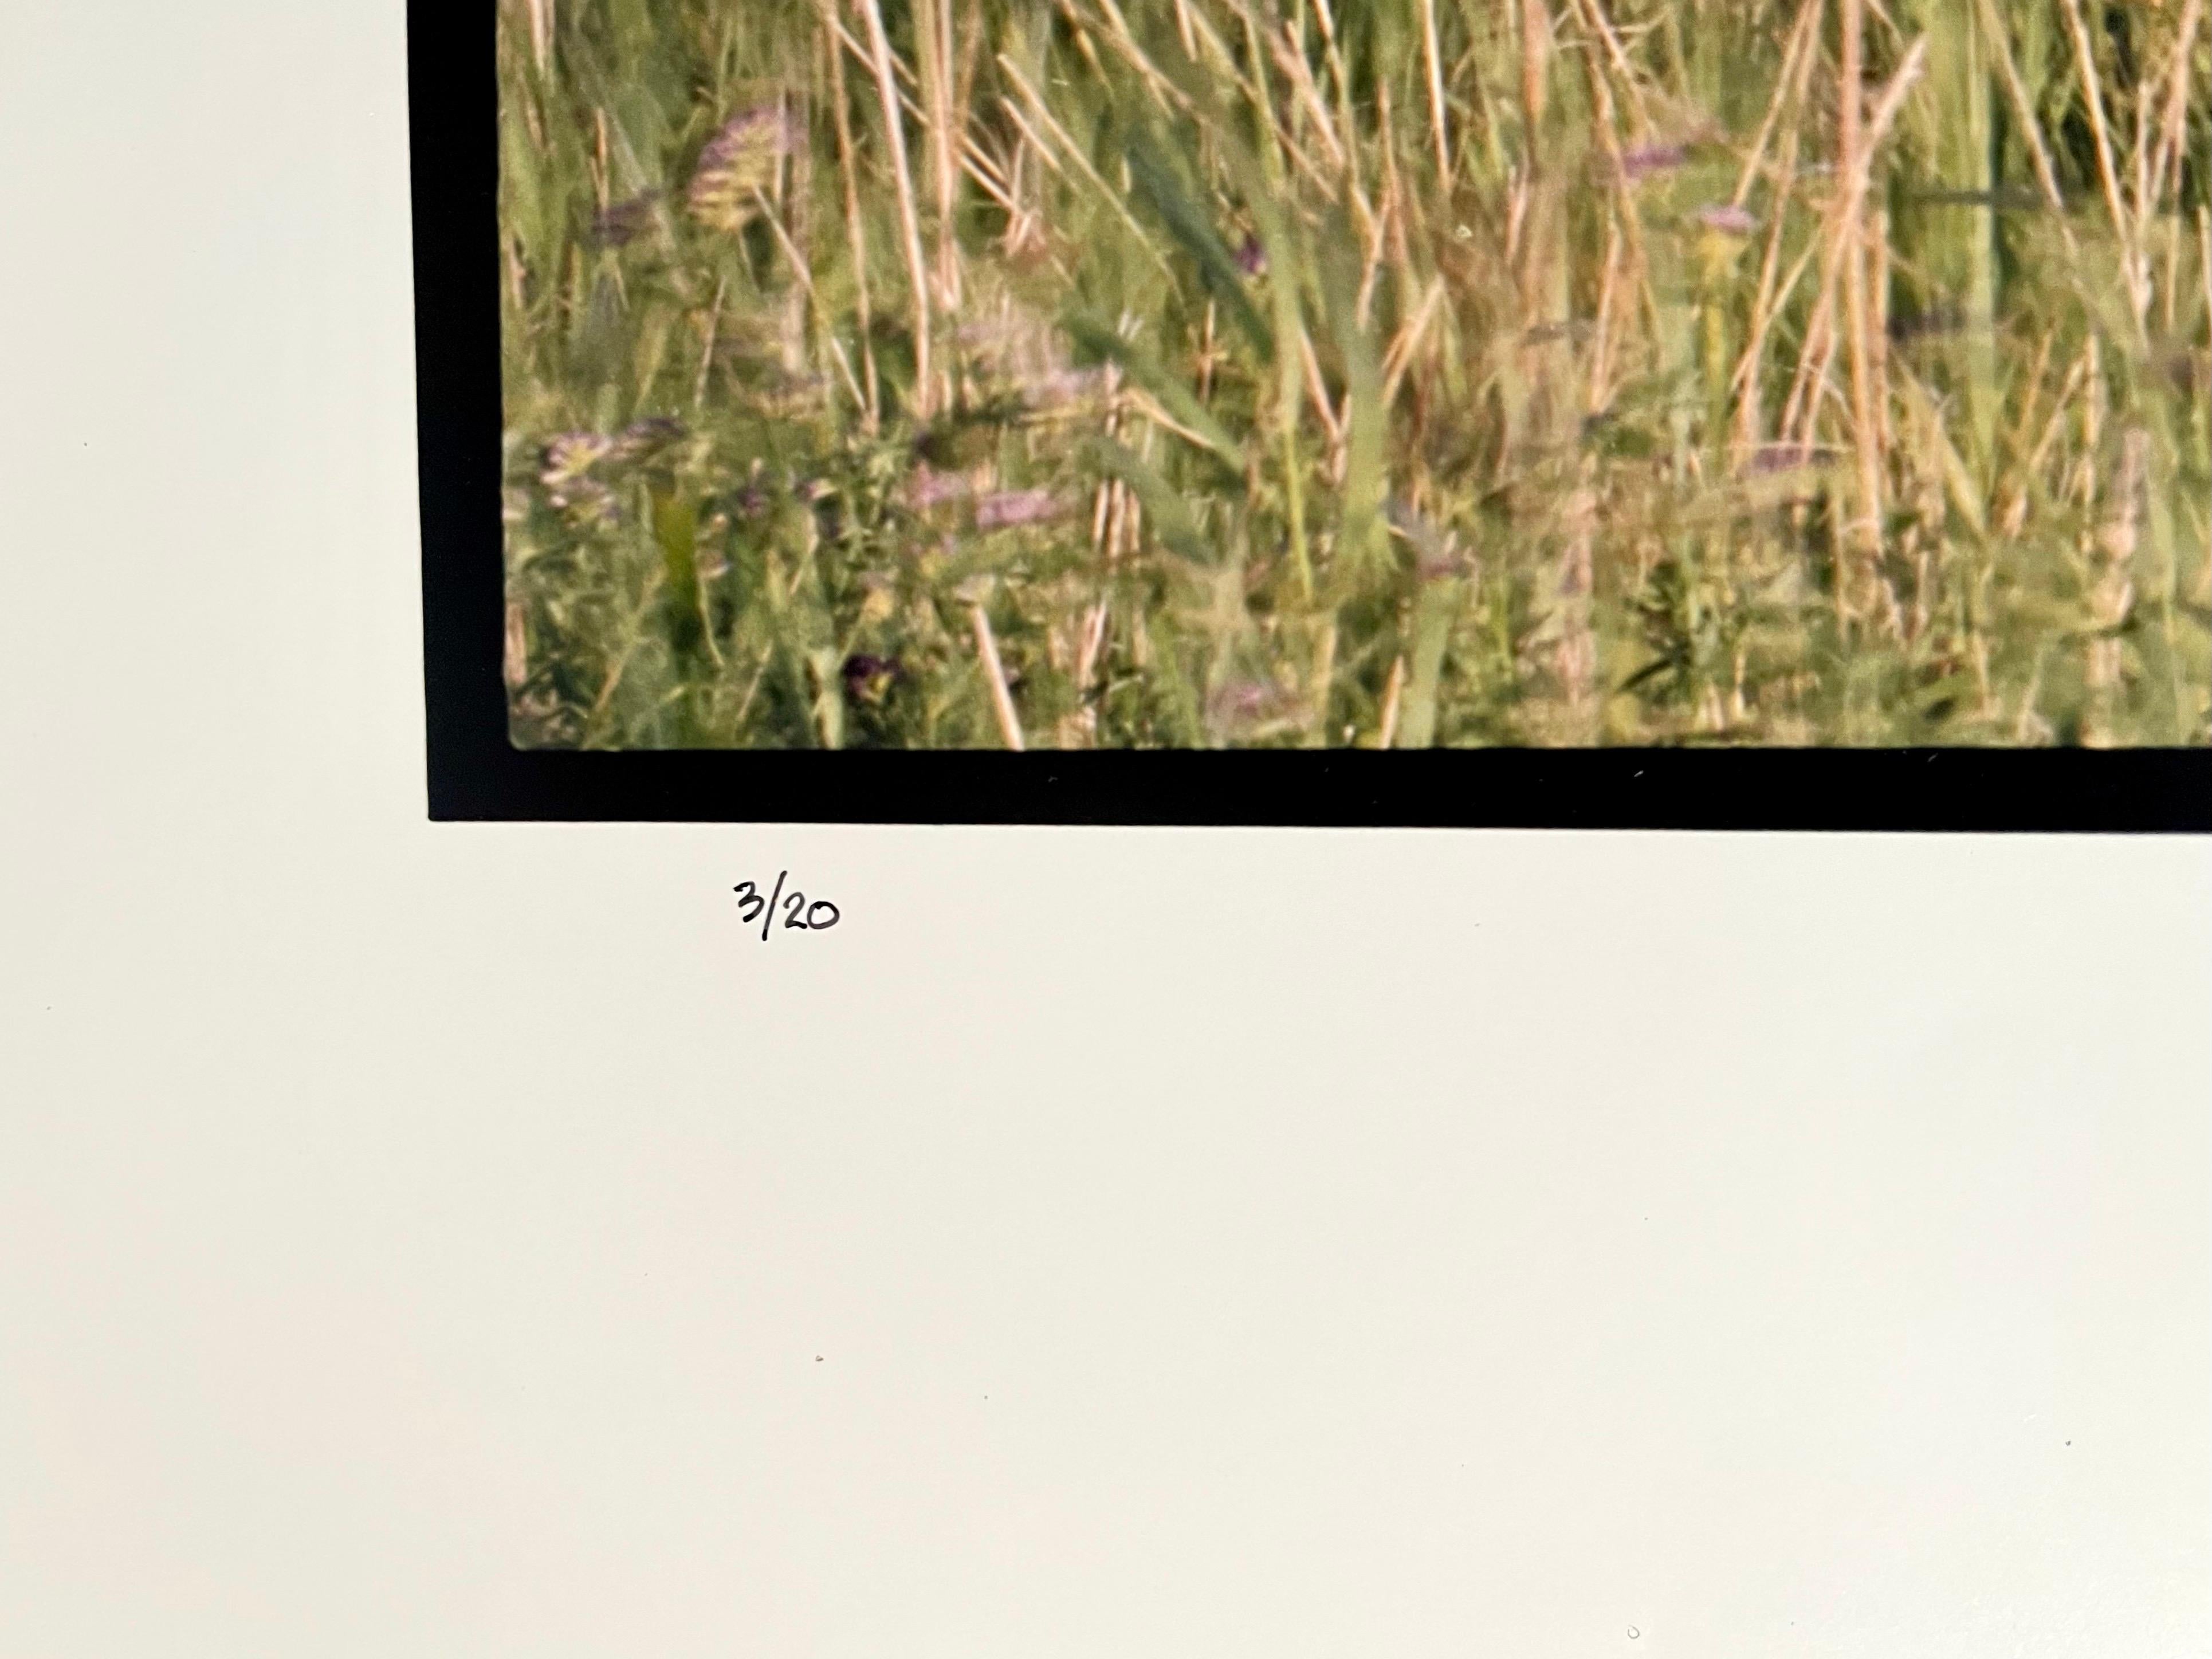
x: 739, y: 161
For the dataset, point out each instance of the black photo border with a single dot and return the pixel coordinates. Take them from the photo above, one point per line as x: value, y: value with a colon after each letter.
x: 476, y: 774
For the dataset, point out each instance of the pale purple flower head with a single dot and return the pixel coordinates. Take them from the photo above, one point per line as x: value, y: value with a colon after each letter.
x: 1770, y: 459
x: 1008, y: 508
x: 571, y: 454
x: 927, y: 489
x: 1647, y: 159
x: 1245, y: 702
x: 1728, y: 219
x: 1064, y: 386
x: 739, y: 163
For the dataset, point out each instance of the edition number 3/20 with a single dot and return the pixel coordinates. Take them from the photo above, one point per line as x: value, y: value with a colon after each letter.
x: 795, y: 910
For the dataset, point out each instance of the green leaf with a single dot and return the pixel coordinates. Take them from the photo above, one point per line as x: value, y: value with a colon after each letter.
x: 1438, y: 610
x: 1159, y: 187
x: 676, y: 531
x: 1094, y: 336
x: 1361, y: 529
x: 1172, y: 519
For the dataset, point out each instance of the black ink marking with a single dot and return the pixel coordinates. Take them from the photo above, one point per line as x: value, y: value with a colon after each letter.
x: 749, y: 900
x: 798, y: 913
x: 779, y: 877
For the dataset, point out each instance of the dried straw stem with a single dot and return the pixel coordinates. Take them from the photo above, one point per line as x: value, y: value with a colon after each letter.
x: 879, y: 48
x: 995, y: 676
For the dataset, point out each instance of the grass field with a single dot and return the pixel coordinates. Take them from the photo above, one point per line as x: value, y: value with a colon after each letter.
x: 1381, y: 373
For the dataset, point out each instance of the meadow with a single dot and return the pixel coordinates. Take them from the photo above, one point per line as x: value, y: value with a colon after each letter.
x: 1071, y: 373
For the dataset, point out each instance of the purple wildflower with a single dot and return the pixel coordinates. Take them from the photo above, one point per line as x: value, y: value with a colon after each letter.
x: 570, y: 455
x: 1770, y: 459
x: 738, y: 162
x: 870, y: 678
x: 1064, y: 386
x: 1246, y: 701
x: 1729, y: 220
x: 1648, y: 159
x: 1010, y: 507
x: 988, y: 332
x: 585, y: 501
x: 928, y: 488
x: 1249, y: 707
x: 566, y: 476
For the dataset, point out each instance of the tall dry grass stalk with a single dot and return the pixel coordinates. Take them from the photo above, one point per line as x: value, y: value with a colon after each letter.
x: 894, y: 130
x: 541, y: 33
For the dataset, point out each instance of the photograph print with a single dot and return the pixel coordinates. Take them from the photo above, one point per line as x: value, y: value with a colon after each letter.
x: 1355, y: 374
